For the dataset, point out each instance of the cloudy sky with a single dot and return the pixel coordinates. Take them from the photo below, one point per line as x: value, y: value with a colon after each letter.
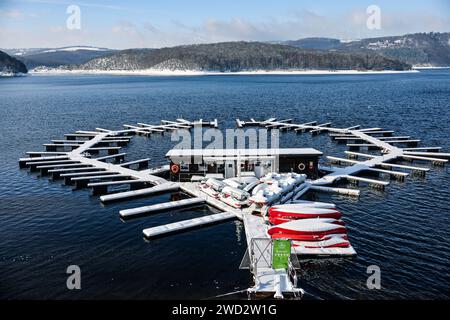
x: 154, y: 23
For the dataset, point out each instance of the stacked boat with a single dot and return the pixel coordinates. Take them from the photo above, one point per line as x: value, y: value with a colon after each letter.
x: 315, y: 228
x: 245, y: 191
x: 233, y: 191
x: 273, y: 186
x: 212, y: 187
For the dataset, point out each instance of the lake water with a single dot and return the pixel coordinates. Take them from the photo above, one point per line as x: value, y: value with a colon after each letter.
x: 45, y: 226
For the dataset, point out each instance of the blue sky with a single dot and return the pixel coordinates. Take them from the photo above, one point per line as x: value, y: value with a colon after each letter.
x: 125, y: 24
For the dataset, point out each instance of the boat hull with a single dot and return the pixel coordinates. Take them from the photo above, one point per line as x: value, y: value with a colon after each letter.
x: 307, y: 237
x: 303, y: 213
x: 276, y: 220
x: 309, y: 228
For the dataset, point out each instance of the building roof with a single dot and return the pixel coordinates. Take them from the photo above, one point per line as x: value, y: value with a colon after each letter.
x: 243, y: 152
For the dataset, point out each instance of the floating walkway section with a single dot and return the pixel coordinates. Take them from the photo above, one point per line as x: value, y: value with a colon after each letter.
x: 188, y: 224
x: 128, y: 213
x: 372, y: 138
x: 201, y: 197
x: 165, y: 187
x: 79, y: 163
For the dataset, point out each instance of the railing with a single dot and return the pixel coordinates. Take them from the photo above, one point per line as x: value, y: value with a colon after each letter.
x: 294, y: 264
x: 260, y: 254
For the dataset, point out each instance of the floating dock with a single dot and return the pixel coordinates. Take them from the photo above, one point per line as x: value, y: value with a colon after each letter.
x: 165, y: 187
x: 165, y: 206
x: 187, y: 224
x: 73, y: 159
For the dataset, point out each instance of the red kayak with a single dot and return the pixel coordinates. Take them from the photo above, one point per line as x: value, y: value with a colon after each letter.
x: 303, y: 213
x: 307, y: 228
x: 309, y: 238
x: 275, y: 220
x: 334, y: 242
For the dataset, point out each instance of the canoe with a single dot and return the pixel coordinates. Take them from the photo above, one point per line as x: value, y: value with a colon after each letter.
x: 301, y: 212
x: 309, y: 238
x: 308, y: 228
x: 305, y: 203
x: 333, y: 242
x: 275, y: 220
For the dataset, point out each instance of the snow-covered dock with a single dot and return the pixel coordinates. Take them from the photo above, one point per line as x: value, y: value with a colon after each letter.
x: 93, y: 159
x: 165, y: 187
x: 165, y: 206
x: 187, y: 224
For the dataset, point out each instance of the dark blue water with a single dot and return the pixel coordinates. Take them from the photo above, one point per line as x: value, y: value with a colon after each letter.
x: 45, y: 226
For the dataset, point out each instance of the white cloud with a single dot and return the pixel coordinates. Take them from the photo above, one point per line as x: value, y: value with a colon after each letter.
x: 297, y: 24
x: 11, y: 14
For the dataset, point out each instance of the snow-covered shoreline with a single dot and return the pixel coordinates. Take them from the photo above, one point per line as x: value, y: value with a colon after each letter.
x: 430, y: 68
x: 155, y: 72
x: 12, y: 74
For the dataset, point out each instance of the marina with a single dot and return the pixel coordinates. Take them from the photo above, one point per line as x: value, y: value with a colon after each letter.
x: 222, y: 159
x: 262, y: 188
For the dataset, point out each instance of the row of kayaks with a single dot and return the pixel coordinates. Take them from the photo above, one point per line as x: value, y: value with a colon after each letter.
x: 246, y: 191
x: 232, y: 191
x: 279, y: 215
x: 273, y: 187
x: 308, y: 225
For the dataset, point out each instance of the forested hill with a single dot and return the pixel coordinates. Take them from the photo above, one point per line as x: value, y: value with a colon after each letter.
x: 240, y: 56
x: 10, y: 65
x: 419, y: 49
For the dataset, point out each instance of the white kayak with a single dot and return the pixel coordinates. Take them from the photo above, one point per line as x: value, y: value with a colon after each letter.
x: 274, y: 219
x: 335, y: 241
x: 310, y: 222
x: 305, y: 203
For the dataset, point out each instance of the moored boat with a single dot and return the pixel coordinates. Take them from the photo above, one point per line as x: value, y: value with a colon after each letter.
x: 276, y: 220
x: 301, y: 212
x: 307, y: 237
x: 305, y: 203
x: 335, y: 241
x: 307, y: 229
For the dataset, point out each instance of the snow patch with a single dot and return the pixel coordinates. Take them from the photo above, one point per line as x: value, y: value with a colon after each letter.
x: 175, y: 72
x: 75, y: 49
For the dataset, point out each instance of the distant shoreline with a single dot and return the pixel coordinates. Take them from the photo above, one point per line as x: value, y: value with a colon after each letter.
x: 12, y: 74
x: 151, y: 72
x: 430, y: 68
